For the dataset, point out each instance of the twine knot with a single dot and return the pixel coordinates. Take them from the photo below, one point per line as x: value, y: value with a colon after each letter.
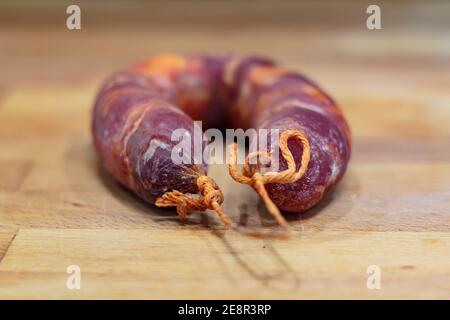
x: 251, y: 176
x: 210, y: 197
x: 210, y: 191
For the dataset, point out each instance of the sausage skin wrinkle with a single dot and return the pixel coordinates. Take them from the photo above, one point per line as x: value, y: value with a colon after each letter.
x: 137, y: 110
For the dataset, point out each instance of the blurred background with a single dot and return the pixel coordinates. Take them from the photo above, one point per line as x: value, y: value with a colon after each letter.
x: 58, y: 208
x: 313, y: 35
x: 327, y: 40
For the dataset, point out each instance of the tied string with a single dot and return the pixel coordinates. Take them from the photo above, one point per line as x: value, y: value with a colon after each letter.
x: 257, y: 180
x: 210, y: 197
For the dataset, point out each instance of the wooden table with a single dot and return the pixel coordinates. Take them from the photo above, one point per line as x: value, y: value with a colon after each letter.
x: 392, y: 210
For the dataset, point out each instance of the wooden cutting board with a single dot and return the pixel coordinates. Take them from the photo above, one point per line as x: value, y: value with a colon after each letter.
x: 59, y: 208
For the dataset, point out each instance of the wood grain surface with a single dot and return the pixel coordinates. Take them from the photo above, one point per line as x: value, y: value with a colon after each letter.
x: 392, y: 209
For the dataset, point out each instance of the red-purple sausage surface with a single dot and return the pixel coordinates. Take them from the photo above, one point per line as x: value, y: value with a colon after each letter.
x: 137, y: 110
x: 275, y: 98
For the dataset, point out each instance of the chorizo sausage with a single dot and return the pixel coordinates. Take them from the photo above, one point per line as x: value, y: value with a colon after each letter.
x: 137, y: 110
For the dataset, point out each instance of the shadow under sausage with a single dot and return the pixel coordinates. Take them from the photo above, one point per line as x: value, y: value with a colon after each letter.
x: 284, y: 275
x: 285, y: 272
